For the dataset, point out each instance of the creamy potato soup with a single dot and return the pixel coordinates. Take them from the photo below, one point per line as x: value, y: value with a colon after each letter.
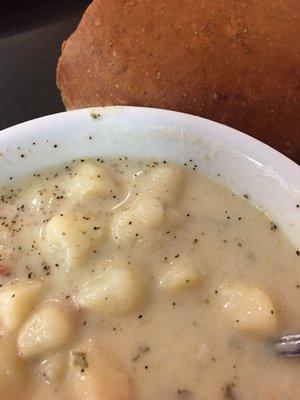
x: 130, y: 280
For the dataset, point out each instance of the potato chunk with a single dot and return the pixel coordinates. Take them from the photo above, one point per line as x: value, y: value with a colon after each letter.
x: 98, y: 375
x: 54, y: 368
x: 181, y: 274
x: 249, y: 308
x: 16, y: 301
x: 163, y: 182
x: 90, y: 180
x: 47, y: 329
x: 149, y: 211
x: 137, y: 221
x: 116, y: 290
x: 69, y: 237
x: 38, y: 200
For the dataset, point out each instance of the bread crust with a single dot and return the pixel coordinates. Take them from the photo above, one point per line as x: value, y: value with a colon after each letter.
x: 235, y: 62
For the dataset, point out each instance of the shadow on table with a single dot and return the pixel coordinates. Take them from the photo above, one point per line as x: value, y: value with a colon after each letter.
x: 31, y: 35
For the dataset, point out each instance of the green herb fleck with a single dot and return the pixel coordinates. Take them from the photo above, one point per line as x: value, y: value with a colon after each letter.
x: 80, y: 361
x: 140, y: 351
x: 229, y: 392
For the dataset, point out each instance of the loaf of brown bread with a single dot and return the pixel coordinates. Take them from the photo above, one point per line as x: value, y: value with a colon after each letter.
x: 233, y: 61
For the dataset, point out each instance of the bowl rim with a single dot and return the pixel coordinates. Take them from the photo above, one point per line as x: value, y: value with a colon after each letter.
x: 249, y: 146
x: 230, y: 157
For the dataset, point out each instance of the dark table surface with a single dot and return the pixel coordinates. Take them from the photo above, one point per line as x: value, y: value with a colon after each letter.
x: 31, y: 35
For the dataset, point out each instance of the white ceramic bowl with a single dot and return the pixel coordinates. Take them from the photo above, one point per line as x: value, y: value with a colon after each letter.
x: 248, y: 166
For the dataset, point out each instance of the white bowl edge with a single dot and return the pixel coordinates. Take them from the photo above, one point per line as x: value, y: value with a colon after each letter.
x: 246, y: 165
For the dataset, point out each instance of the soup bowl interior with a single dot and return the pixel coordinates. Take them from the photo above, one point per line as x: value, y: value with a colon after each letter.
x: 270, y: 180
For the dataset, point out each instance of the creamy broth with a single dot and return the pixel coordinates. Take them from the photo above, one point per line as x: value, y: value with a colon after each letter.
x: 129, y: 280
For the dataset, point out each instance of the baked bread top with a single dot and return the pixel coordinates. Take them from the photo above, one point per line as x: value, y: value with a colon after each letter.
x: 235, y: 62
